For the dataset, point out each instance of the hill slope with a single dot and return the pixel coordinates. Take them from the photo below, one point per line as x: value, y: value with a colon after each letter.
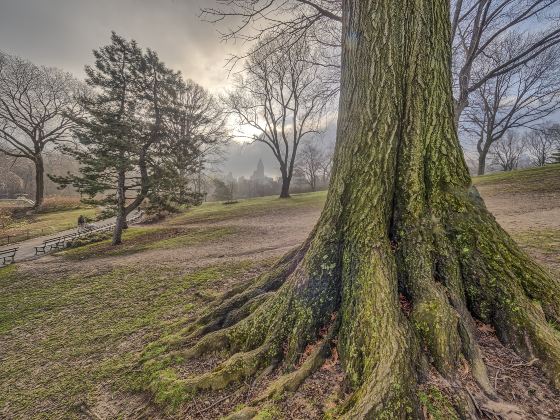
x: 73, y: 325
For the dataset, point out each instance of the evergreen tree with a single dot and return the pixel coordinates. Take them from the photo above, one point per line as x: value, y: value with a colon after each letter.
x: 132, y: 144
x: 222, y: 191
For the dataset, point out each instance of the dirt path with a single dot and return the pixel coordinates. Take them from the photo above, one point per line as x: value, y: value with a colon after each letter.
x: 89, y: 300
x: 523, y: 211
x: 271, y: 234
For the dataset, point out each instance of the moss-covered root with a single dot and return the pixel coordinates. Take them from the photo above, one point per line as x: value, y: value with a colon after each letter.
x: 168, y: 388
x: 505, y: 288
x: 238, y: 303
x: 389, y: 391
x: 382, y: 364
x: 292, y: 381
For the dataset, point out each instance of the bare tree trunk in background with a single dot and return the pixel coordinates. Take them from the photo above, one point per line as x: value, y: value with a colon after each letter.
x: 39, y: 180
x: 286, y: 181
x: 120, y: 223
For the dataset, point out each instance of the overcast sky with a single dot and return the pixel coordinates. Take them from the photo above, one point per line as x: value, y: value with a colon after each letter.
x: 62, y: 33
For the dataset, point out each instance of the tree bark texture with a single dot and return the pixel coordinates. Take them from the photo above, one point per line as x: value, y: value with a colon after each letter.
x: 401, y: 217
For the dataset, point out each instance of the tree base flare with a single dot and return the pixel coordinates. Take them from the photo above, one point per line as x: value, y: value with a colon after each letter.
x: 312, y: 302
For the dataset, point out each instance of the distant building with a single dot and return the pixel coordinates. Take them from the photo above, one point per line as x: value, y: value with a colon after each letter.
x: 258, y: 176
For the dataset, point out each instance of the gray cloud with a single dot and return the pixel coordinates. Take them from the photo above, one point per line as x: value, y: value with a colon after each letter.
x: 62, y: 33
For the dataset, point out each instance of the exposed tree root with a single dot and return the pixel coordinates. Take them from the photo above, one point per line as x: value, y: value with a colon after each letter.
x: 399, y: 218
x: 385, y: 365
x: 292, y: 381
x: 240, y: 302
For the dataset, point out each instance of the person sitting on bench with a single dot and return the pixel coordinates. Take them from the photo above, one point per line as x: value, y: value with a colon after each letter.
x: 83, y: 225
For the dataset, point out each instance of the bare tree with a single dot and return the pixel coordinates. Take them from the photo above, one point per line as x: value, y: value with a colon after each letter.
x: 281, y: 98
x: 34, y: 101
x: 310, y: 164
x: 478, y: 27
x: 541, y: 144
x: 520, y: 98
x: 285, y: 22
x: 201, y: 122
x: 507, y: 151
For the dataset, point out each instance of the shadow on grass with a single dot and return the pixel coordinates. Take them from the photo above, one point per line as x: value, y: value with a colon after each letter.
x: 140, y: 239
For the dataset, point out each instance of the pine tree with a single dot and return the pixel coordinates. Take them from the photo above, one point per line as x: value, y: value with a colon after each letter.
x: 132, y: 145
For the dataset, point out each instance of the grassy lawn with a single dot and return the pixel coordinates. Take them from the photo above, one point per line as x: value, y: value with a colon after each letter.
x: 65, y: 337
x: 543, y: 180
x: 72, y: 329
x: 137, y: 239
x: 216, y: 211
x: 47, y: 223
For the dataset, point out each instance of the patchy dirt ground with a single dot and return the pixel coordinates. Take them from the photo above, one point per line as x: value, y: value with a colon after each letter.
x: 72, y: 324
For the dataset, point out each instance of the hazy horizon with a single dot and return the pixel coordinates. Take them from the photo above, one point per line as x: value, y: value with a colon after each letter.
x: 172, y: 28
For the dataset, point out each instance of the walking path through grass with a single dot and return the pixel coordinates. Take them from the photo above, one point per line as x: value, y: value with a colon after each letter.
x: 73, y: 324
x: 26, y: 249
x: 43, y: 224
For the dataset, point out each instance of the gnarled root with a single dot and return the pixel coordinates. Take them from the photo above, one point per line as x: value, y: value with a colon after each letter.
x: 447, y: 270
x: 237, y: 304
x: 292, y: 381
x: 505, y: 288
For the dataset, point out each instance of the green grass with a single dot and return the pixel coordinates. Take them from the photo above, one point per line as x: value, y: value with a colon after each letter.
x: 47, y: 223
x: 256, y: 206
x: 145, y: 238
x: 62, y: 336
x: 72, y: 331
x: 542, y: 180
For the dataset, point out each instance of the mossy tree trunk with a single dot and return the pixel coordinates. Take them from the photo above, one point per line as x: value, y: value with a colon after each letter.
x: 401, y: 217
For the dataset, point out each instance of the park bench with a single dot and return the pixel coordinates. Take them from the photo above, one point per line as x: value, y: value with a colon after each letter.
x: 60, y: 242
x: 55, y: 243
x: 47, y: 245
x: 7, y: 256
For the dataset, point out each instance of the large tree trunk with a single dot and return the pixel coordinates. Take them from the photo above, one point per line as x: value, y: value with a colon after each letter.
x: 285, y: 190
x: 402, y: 217
x: 39, y: 181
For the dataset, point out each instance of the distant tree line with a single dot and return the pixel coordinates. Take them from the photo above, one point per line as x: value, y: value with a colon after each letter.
x: 536, y: 147
x: 505, y: 57
x: 505, y: 79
